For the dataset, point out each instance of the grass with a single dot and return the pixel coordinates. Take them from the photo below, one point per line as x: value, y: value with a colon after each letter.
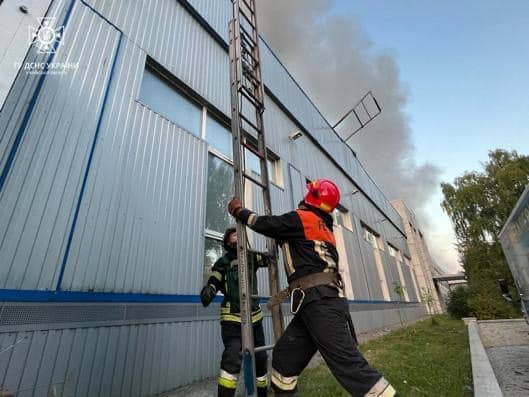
x: 424, y: 359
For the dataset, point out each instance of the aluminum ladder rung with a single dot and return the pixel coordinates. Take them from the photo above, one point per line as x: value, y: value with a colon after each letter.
x: 247, y: 18
x: 248, y: 38
x: 261, y: 297
x: 263, y: 348
x: 263, y: 186
x: 249, y: 96
x: 248, y: 74
x: 249, y: 6
x: 250, y: 123
x: 254, y: 150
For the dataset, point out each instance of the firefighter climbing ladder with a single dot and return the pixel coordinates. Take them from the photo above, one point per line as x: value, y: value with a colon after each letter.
x: 247, y: 107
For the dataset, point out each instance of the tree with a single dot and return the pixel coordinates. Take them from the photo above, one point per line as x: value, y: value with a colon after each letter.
x: 399, y: 289
x: 457, y: 305
x: 427, y: 298
x: 479, y: 204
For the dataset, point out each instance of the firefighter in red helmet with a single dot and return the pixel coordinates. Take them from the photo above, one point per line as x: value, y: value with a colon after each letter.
x: 321, y: 317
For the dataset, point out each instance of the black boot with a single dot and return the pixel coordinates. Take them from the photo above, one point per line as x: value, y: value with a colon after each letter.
x: 225, y: 392
x: 283, y: 393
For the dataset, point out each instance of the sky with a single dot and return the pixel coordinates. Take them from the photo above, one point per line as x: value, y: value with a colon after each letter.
x: 466, y: 66
x: 452, y: 77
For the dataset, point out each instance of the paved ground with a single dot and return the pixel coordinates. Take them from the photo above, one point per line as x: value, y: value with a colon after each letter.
x: 507, y: 346
x: 511, y: 367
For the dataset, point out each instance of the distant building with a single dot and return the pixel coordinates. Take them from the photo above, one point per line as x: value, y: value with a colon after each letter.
x: 421, y: 262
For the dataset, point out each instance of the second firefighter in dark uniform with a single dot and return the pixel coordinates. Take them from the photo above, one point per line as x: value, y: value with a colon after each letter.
x: 322, y: 321
x: 225, y: 278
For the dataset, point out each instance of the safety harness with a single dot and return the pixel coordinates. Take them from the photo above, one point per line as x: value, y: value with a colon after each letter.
x: 296, y: 289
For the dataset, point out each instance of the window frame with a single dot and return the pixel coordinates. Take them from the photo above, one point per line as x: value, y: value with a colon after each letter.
x: 370, y: 236
x: 180, y: 89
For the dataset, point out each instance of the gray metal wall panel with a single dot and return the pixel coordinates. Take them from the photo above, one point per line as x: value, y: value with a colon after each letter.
x: 43, y: 186
x: 392, y: 275
x: 129, y: 236
x: 410, y: 287
x: 168, y: 33
x: 132, y: 360
x: 375, y: 290
x: 217, y: 13
x: 356, y: 266
x: 278, y: 126
x: 16, y: 105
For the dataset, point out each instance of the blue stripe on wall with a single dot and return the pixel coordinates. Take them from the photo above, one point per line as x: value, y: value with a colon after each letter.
x: 16, y: 295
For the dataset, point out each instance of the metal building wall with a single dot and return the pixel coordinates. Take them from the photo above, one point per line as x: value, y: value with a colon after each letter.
x: 44, y: 175
x: 137, y: 360
x: 93, y: 203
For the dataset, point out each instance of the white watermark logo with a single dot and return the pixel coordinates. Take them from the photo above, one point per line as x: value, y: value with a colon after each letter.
x: 47, y: 38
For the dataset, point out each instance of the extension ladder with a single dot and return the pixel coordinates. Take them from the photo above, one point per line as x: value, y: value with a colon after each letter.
x: 247, y: 107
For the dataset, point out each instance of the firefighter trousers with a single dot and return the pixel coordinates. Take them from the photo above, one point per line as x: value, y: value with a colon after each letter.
x: 325, y: 325
x: 230, y: 365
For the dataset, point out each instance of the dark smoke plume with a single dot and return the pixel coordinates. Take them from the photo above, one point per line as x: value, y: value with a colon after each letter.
x: 335, y: 63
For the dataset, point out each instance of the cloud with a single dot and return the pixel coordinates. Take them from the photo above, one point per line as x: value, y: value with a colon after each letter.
x: 336, y: 64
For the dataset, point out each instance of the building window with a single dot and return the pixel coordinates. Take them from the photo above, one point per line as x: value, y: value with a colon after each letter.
x: 251, y: 162
x: 274, y: 171
x: 220, y: 190
x: 392, y: 251
x: 370, y: 236
x: 159, y: 95
x: 213, y: 251
x: 219, y: 137
x: 341, y: 217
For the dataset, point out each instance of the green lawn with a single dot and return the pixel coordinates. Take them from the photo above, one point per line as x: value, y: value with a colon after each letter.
x: 420, y: 360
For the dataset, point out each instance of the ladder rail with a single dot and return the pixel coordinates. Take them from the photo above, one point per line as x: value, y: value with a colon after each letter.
x: 246, y: 82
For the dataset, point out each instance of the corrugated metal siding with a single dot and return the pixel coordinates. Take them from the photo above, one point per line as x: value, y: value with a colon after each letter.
x: 139, y: 360
x: 136, y: 360
x: 217, y: 13
x: 356, y: 266
x: 132, y: 234
x: 172, y: 36
x: 410, y: 288
x: 43, y: 186
x: 392, y: 275
x: 169, y: 34
x: 370, y: 266
x: 278, y: 127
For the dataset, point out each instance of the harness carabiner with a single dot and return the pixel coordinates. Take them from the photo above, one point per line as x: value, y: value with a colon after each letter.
x: 299, y: 302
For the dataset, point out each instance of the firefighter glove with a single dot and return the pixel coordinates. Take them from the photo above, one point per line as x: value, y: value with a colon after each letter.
x: 207, y: 294
x: 235, y: 207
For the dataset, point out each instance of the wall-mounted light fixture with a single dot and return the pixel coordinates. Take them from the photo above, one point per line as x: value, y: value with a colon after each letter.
x: 295, y: 135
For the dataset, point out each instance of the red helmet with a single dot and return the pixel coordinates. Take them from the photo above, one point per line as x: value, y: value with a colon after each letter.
x: 323, y: 194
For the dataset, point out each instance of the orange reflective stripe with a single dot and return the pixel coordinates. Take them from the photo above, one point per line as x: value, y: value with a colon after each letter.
x: 315, y: 228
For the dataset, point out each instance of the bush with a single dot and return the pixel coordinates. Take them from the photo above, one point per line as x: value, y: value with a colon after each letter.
x: 458, y: 302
